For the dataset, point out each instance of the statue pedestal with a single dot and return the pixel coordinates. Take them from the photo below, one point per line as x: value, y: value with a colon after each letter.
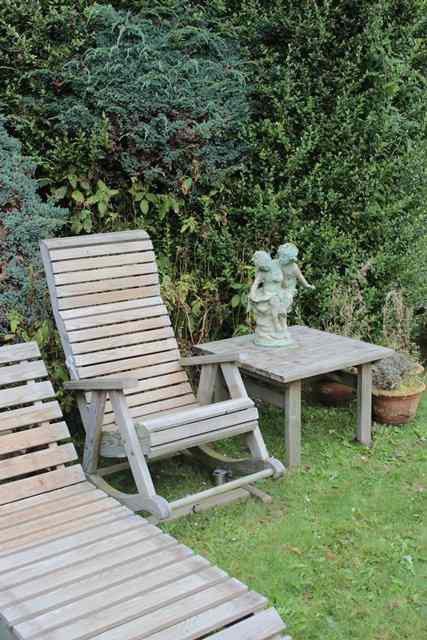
x: 271, y: 343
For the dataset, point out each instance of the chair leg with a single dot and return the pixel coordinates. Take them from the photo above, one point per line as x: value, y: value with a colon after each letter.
x: 147, y: 497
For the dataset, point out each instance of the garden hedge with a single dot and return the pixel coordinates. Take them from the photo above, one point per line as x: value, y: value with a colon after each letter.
x: 232, y: 126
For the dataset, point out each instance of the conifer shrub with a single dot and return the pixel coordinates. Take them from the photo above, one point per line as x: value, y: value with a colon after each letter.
x: 231, y: 126
x: 24, y: 220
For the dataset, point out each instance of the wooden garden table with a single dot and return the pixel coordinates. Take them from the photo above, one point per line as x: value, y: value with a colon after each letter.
x: 274, y: 375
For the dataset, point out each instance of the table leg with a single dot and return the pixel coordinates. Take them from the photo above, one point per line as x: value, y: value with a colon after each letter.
x: 364, y: 403
x: 293, y: 423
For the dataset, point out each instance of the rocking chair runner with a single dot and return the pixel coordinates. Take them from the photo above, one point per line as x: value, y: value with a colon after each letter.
x: 74, y: 563
x: 118, y: 341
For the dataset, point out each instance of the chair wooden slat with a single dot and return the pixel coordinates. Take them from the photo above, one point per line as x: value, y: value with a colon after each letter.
x: 124, y: 339
x: 80, y: 264
x: 116, y: 238
x: 31, y: 462
x: 262, y: 626
x: 156, y: 395
x: 106, y: 330
x: 203, y: 426
x: 156, y: 407
x: 64, y: 530
x: 32, y: 415
x: 101, y: 286
x: 22, y: 372
x: 48, y: 481
x: 111, y: 355
x: 92, y: 275
x: 212, y: 618
x: 101, y: 310
x: 118, y: 570
x: 25, y: 394
x: 91, y: 299
x: 19, y: 352
x: 101, y: 250
x: 33, y: 437
x: 128, y: 364
x: 174, y: 613
x: 102, y: 620
x: 51, y: 521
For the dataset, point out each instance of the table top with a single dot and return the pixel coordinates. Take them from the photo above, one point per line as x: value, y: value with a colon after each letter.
x: 315, y: 352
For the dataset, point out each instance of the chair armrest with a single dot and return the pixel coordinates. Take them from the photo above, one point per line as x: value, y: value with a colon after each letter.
x: 101, y: 384
x: 212, y: 359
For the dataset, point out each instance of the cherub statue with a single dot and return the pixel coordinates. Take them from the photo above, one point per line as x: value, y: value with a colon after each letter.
x: 287, y: 255
x: 267, y: 300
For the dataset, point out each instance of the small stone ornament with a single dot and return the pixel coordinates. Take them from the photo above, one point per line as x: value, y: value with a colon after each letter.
x: 272, y: 294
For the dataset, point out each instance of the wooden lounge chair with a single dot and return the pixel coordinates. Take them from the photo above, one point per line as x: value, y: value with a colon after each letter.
x: 118, y: 341
x: 75, y: 563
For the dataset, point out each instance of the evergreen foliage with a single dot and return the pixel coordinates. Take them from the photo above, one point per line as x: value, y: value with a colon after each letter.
x: 24, y: 220
x: 339, y: 140
x: 231, y: 126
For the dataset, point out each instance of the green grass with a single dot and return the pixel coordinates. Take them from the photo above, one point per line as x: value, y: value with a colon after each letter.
x: 342, y: 550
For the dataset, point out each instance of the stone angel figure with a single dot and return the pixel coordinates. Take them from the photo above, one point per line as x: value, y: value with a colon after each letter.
x: 287, y: 255
x: 267, y: 301
x: 272, y: 294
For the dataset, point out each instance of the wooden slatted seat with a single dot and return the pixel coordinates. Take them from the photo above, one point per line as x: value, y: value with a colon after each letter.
x: 76, y: 564
x: 135, y: 398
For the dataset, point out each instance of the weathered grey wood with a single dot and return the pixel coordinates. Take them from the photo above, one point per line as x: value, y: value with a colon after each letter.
x: 65, y: 265
x: 110, y: 323
x: 207, y: 380
x: 194, y: 361
x: 233, y: 381
x: 172, y: 448
x: 150, y: 501
x: 48, y: 481
x: 92, y: 275
x: 101, y: 286
x: 194, y: 414
x: 213, y: 618
x: 275, y: 375
x: 108, y: 330
x: 91, y: 299
x: 96, y: 239
x: 316, y: 352
x: 31, y: 415
x: 261, y: 626
x: 36, y: 437
x: 19, y: 352
x: 364, y: 405
x: 222, y: 488
x: 206, y: 504
x: 114, y: 311
x: 292, y: 405
x: 102, y: 384
x: 94, y: 431
x: 74, y: 563
x: 22, y: 372
x: 24, y: 394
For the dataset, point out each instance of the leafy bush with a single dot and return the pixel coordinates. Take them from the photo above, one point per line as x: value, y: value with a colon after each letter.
x: 339, y: 141
x: 334, y: 143
x: 24, y: 220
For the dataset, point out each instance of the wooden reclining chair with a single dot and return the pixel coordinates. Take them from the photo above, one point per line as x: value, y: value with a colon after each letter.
x: 76, y: 564
x: 118, y: 342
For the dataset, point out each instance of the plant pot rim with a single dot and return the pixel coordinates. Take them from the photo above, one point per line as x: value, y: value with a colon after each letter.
x: 397, y: 393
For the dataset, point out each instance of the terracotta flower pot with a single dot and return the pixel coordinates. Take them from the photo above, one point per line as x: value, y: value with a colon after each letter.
x: 335, y: 394
x: 396, y: 407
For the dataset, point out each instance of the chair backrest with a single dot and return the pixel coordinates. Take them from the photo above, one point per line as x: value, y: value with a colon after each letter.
x: 32, y: 459
x: 106, y: 299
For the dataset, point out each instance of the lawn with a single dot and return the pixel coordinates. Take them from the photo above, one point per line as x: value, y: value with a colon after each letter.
x: 342, y: 549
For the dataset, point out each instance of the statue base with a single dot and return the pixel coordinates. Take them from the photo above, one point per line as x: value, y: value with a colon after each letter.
x: 273, y: 343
